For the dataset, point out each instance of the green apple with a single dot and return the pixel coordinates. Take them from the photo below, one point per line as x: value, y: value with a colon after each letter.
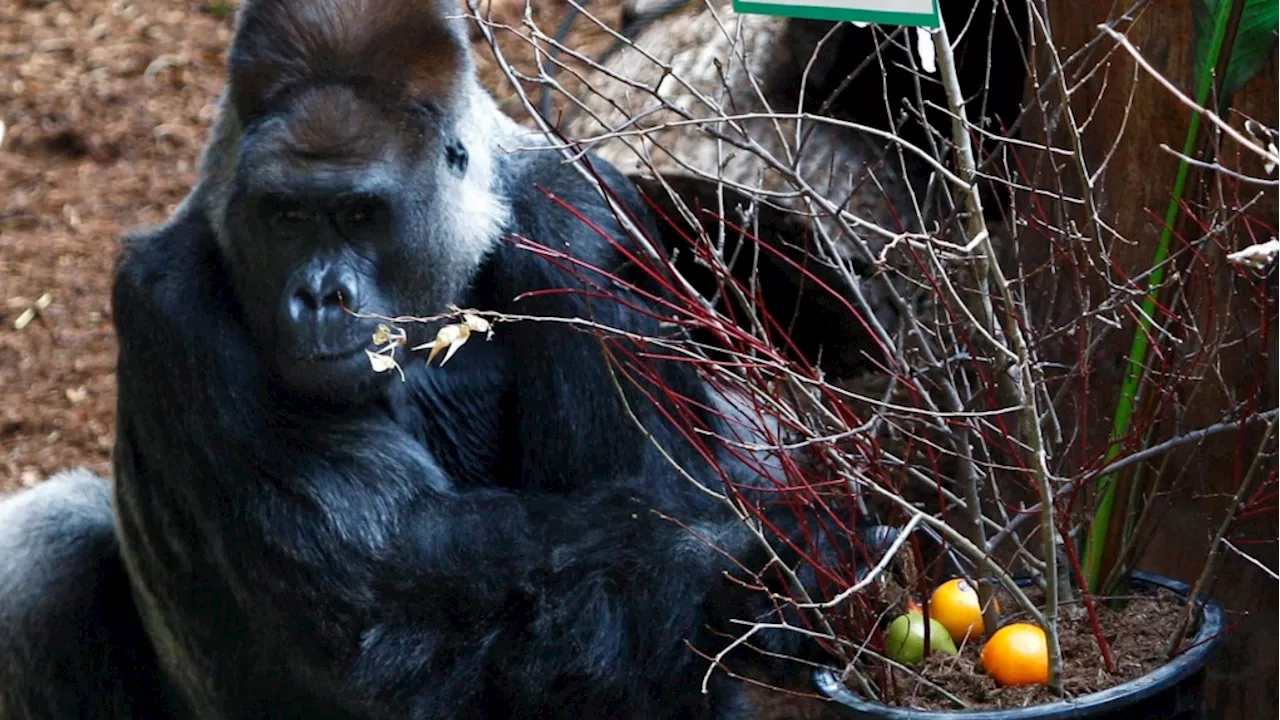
x: 904, y: 640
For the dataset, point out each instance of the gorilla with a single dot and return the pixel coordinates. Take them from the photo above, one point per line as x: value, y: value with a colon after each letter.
x: 293, y: 535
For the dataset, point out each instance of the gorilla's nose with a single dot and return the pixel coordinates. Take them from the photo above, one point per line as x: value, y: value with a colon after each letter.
x: 319, y: 294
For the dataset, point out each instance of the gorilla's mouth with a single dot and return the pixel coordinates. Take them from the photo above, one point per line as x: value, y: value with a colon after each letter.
x: 335, y: 346
x: 327, y: 356
x: 334, y: 375
x: 325, y: 364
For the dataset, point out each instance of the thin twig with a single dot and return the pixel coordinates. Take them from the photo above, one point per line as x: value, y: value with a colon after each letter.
x: 1025, y: 387
x: 1250, y: 481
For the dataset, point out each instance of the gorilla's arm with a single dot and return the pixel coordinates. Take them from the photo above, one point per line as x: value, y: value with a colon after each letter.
x: 331, y: 544
x: 539, y: 406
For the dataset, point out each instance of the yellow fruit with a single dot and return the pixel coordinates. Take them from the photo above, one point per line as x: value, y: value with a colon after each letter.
x: 955, y: 605
x: 1017, y: 654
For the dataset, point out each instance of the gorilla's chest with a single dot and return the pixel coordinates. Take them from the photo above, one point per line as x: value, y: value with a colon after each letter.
x: 461, y: 412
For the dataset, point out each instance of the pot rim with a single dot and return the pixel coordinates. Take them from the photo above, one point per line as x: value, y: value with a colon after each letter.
x: 1189, y: 661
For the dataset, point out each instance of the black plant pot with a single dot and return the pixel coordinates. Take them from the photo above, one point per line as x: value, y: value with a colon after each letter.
x: 1170, y: 692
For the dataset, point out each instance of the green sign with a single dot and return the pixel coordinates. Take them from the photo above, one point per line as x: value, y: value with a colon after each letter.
x: 923, y: 13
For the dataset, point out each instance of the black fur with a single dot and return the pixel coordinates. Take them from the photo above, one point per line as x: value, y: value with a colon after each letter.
x: 477, y: 542
x: 370, y: 576
x: 485, y: 539
x: 71, y: 642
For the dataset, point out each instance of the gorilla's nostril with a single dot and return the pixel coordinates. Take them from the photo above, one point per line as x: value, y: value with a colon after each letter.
x: 337, y: 298
x: 312, y: 304
x: 305, y: 299
x: 321, y: 291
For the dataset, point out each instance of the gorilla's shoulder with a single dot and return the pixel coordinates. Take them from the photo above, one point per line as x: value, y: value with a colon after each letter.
x: 553, y: 202
x: 156, y: 267
x: 186, y: 238
x: 539, y: 180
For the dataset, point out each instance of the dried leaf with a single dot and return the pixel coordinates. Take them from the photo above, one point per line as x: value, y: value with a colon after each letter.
x: 25, y: 318
x: 380, y: 362
x: 478, y: 324
x: 436, y: 347
x: 1269, y: 137
x: 449, y: 337
x: 1257, y: 256
x: 451, y: 333
x: 164, y: 62
x: 453, y: 348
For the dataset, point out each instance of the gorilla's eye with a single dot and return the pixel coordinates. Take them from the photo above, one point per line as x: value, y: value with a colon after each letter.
x: 282, y: 213
x: 361, y: 214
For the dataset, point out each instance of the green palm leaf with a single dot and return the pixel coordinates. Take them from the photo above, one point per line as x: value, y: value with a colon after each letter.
x: 1254, y: 45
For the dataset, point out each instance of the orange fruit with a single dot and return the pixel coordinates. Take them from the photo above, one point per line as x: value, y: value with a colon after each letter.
x: 1017, y: 654
x: 955, y: 605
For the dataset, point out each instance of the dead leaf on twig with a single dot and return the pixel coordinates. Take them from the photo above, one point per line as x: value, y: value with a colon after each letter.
x: 387, y: 339
x: 453, y: 336
x: 1257, y: 256
x: 448, y: 339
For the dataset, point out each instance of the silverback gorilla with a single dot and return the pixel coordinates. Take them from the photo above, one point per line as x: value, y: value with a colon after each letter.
x: 291, y: 535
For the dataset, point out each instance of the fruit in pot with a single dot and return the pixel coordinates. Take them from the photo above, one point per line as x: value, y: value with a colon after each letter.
x: 955, y: 604
x: 1017, y: 654
x: 904, y: 640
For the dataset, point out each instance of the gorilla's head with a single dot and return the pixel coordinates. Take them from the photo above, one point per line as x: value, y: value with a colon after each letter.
x: 353, y: 173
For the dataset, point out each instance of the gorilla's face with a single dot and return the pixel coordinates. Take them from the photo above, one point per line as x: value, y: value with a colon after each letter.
x: 345, y: 205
